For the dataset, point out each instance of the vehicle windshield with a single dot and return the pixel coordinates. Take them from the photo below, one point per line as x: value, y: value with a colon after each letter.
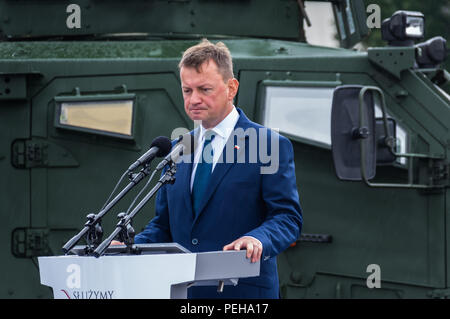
x: 323, y: 31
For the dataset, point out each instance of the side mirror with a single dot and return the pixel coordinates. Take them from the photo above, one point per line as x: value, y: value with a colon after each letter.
x: 353, y: 139
x: 356, y: 135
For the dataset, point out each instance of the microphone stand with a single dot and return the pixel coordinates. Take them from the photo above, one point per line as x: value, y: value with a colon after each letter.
x: 124, y: 229
x: 92, y: 228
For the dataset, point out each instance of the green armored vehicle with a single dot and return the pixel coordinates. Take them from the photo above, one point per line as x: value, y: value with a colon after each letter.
x: 85, y: 87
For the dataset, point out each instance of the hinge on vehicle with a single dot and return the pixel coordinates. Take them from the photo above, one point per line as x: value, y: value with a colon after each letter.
x: 30, y: 242
x: 40, y: 153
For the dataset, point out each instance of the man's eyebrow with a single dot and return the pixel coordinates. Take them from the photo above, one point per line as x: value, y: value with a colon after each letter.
x: 198, y: 86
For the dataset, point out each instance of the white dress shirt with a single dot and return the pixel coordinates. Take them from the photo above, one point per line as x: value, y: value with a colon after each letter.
x: 222, y: 133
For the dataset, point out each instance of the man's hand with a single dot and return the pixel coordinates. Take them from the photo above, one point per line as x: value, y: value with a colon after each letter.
x: 253, y: 246
x: 116, y: 242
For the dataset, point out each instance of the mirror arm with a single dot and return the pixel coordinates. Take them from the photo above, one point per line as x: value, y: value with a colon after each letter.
x: 391, y: 145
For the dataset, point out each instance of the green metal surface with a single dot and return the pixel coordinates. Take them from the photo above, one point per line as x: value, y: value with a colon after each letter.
x: 179, y: 18
x: 52, y: 177
x: 393, y: 60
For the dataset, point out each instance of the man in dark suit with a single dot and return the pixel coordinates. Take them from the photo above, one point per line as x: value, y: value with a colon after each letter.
x: 226, y: 196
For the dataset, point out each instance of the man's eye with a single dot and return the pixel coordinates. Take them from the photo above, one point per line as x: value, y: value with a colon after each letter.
x: 207, y: 89
x: 186, y: 91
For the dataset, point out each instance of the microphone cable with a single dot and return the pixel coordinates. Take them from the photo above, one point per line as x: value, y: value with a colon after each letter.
x: 141, y: 191
x: 114, y: 190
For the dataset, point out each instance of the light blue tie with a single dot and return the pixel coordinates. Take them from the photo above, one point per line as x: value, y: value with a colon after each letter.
x: 203, y: 172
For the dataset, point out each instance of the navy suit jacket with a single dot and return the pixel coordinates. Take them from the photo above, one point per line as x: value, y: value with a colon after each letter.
x: 239, y: 202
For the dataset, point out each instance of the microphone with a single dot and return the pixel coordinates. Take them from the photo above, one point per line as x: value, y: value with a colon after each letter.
x: 160, y: 147
x: 185, y: 145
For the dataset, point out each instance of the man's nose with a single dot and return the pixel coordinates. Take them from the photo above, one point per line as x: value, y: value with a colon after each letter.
x: 195, y: 97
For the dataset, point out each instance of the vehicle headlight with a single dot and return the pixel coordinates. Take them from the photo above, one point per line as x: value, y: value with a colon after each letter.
x: 403, y: 28
x: 415, y: 26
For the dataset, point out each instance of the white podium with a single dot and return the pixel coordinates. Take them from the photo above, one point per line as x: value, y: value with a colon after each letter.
x: 161, y: 271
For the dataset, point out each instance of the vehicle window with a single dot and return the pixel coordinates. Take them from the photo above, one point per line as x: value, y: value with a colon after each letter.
x: 323, y: 25
x: 98, y: 116
x: 303, y: 112
x: 341, y: 24
x: 351, y: 23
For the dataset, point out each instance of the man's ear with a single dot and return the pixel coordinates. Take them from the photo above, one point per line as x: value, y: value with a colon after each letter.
x: 233, y: 86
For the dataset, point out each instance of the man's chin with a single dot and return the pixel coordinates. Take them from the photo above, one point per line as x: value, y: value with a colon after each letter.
x: 197, y: 116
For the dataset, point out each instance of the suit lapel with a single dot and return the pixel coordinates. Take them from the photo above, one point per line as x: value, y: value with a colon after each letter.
x: 183, y: 175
